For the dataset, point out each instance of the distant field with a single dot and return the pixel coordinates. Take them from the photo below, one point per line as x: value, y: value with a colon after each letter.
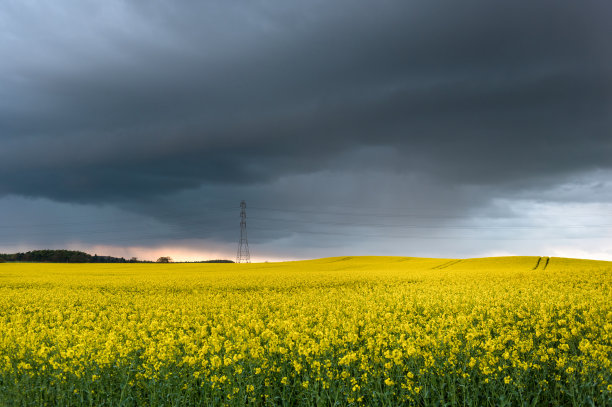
x: 337, y: 331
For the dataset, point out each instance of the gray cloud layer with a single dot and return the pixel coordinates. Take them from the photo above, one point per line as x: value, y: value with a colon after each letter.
x: 130, y: 102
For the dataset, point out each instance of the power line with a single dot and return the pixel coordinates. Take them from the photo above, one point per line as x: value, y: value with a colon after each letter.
x: 412, y: 226
x: 396, y: 236
x: 186, y: 220
x: 243, y: 255
x: 397, y: 215
x: 178, y: 225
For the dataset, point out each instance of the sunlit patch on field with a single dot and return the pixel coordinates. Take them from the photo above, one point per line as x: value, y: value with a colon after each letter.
x: 343, y: 331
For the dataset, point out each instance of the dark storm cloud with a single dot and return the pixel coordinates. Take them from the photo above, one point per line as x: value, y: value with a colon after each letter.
x: 134, y: 100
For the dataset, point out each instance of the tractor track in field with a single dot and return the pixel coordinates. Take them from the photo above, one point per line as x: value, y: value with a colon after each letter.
x: 541, y: 261
x: 447, y: 264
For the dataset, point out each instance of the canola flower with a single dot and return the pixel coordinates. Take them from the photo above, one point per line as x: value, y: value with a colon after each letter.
x: 338, y: 331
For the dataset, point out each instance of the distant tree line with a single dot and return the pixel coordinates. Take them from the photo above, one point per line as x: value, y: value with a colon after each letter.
x: 166, y: 259
x: 62, y: 256
x: 74, y: 256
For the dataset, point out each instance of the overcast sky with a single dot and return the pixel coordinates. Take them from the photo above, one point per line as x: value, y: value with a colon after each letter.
x: 410, y: 128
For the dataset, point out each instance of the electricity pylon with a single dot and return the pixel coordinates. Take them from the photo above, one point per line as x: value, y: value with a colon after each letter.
x: 243, y: 255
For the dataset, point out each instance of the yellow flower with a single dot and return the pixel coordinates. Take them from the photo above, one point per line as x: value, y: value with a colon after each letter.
x: 354, y: 321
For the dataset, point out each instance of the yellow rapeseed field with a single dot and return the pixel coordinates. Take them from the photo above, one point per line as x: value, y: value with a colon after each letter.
x: 337, y: 331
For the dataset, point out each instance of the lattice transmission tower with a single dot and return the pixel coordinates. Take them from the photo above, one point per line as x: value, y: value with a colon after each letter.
x: 243, y: 255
